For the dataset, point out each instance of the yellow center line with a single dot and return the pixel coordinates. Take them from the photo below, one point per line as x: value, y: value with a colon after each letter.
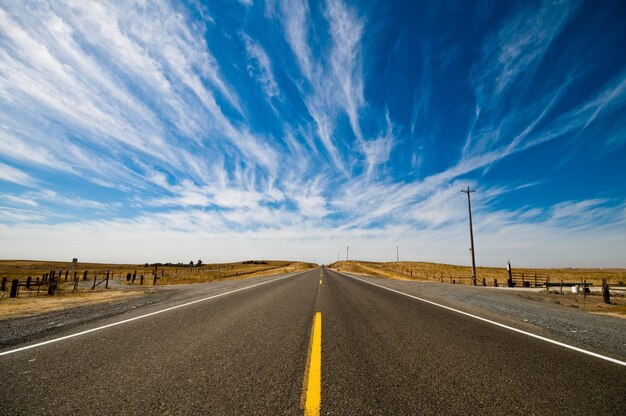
x: 312, y: 393
x: 320, y: 281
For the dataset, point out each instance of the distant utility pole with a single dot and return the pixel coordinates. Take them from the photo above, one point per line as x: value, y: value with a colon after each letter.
x: 469, y: 208
x: 397, y: 255
x: 337, y: 256
x: 347, y: 253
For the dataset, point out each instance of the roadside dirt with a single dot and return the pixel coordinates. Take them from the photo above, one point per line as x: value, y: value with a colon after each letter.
x: 591, y: 303
x: 25, y: 306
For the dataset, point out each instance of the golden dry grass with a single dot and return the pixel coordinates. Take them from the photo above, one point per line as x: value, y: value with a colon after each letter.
x: 462, y: 274
x: 21, y: 269
x: 423, y: 271
x: 31, y: 305
x: 33, y: 301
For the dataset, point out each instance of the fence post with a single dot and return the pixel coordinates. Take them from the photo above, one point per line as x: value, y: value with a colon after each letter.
x: 52, y: 286
x: 85, y: 275
x: 141, y: 280
x: 484, y: 282
x: 106, y: 284
x: 509, y: 280
x: 155, y: 280
x: 28, y: 280
x: 605, y: 292
x: 95, y: 277
x: 4, y: 284
x: 495, y: 282
x: 67, y: 272
x: 15, y: 285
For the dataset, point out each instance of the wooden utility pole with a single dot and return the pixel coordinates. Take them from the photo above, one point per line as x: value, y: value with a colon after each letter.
x: 397, y: 255
x: 469, y: 208
x: 347, y: 253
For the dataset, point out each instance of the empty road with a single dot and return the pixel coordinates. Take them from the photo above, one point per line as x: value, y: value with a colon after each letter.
x: 286, y: 344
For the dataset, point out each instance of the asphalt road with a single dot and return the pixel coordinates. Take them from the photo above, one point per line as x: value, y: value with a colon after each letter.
x: 245, y: 352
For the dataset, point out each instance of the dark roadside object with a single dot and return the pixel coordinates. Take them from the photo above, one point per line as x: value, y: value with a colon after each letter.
x: 15, y: 287
x: 52, y: 286
x: 605, y: 292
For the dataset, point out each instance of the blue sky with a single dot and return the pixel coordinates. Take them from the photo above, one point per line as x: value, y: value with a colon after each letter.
x: 224, y: 130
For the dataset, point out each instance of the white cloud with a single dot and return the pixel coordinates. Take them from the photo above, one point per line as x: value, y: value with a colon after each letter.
x: 19, y: 200
x: 262, y: 70
x: 11, y: 174
x: 346, y: 30
x: 133, y: 98
x: 113, y: 80
x: 334, y: 86
x: 518, y: 46
x: 378, y: 151
x: 178, y: 235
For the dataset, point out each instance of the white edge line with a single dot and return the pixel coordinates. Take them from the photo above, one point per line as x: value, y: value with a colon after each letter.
x: 510, y: 328
x: 39, y: 344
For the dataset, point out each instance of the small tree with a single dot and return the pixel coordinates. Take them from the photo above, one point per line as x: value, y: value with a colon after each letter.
x: 199, y: 263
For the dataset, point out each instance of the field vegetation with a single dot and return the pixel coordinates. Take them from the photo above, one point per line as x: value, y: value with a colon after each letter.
x: 34, y: 300
x: 424, y: 271
x: 166, y: 273
x: 448, y: 273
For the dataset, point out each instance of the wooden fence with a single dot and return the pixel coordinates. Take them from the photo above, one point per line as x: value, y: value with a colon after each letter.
x: 51, y: 282
x: 529, y: 279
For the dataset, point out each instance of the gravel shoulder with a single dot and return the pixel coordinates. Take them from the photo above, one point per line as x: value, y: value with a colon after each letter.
x: 524, y: 310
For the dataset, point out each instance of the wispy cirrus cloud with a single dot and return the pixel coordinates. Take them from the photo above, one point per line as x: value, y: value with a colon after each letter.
x: 262, y: 67
x: 58, y: 62
x: 176, y: 122
x: 346, y: 30
x: 11, y: 174
x: 512, y: 53
x: 335, y: 81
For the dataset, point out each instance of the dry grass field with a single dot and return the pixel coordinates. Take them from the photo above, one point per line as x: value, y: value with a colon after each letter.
x: 35, y: 299
x: 30, y: 305
x: 462, y: 274
x: 435, y: 272
x: 167, y: 274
